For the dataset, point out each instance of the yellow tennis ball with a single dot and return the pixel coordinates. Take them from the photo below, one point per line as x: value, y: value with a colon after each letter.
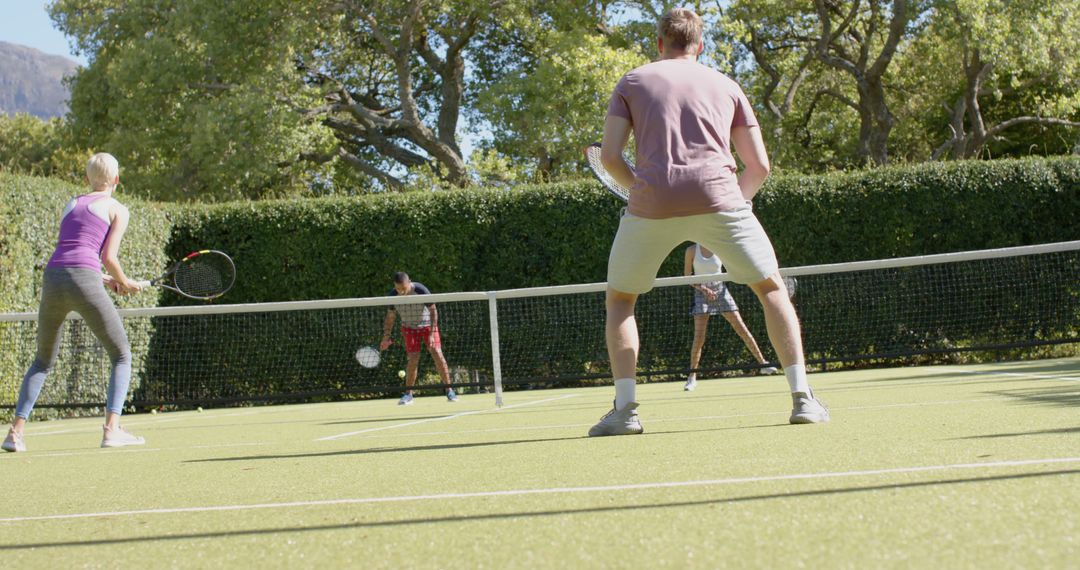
x: 199, y: 409
x: 400, y: 373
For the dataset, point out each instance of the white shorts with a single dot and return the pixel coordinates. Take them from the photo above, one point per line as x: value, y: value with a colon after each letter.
x: 735, y: 236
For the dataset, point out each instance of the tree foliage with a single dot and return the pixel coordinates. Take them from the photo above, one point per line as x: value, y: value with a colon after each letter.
x: 214, y: 100
x: 29, y: 145
x: 1020, y: 65
x: 547, y: 113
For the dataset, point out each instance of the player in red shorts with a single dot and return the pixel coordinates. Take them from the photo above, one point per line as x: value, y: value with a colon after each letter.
x: 420, y: 328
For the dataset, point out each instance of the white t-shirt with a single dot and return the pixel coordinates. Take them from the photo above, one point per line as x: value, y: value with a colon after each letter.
x: 705, y: 265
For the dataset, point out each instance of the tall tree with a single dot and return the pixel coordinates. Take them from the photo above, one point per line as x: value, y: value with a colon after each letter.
x: 255, y: 95
x: 856, y: 39
x: 860, y: 40
x: 1026, y: 51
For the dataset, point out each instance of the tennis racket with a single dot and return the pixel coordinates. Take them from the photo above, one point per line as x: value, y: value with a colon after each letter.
x: 206, y: 274
x: 592, y: 155
x: 368, y: 356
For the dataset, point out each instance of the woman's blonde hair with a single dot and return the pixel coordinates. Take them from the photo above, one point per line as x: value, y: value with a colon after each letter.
x: 681, y: 28
x: 102, y: 170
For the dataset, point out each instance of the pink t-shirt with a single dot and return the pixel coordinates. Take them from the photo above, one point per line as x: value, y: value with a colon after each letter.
x: 682, y: 113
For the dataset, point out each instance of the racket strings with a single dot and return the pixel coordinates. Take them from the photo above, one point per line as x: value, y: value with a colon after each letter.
x: 592, y: 154
x: 205, y: 276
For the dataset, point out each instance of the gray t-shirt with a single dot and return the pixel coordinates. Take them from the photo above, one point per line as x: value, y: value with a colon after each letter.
x: 414, y: 315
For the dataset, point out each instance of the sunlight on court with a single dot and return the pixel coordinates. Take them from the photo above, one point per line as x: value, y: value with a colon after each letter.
x: 440, y: 482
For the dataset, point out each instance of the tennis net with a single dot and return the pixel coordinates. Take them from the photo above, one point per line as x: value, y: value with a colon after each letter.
x: 1012, y: 302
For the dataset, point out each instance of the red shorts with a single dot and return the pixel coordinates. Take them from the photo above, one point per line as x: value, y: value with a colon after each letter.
x: 417, y: 339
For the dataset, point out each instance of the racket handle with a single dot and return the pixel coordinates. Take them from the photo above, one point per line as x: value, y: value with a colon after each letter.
x: 144, y: 284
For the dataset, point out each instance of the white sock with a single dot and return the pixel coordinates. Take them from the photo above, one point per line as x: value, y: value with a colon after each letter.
x: 625, y: 392
x: 692, y: 377
x: 796, y: 378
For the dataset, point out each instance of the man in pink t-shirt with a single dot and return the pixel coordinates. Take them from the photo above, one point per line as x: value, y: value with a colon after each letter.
x: 686, y: 186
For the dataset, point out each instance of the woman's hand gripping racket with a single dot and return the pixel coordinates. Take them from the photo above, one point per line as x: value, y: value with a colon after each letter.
x: 206, y: 274
x: 592, y: 155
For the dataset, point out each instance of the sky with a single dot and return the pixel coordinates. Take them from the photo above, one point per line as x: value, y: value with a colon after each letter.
x: 26, y: 22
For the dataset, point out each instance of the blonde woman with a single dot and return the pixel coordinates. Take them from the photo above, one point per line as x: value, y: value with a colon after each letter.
x: 91, y: 229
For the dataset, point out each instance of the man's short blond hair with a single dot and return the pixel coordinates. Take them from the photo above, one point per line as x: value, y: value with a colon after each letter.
x: 681, y: 29
x: 102, y: 170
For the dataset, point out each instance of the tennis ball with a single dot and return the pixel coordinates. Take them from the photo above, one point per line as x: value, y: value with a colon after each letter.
x: 153, y: 410
x: 199, y: 409
x: 400, y: 373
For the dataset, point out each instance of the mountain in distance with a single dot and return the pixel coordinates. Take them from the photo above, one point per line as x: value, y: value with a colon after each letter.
x: 31, y: 81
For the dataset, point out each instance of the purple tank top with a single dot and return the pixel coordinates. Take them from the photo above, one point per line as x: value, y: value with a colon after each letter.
x: 82, y: 236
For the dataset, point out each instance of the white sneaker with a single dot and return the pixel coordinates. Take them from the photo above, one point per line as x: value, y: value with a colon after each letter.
x: 768, y: 370
x: 618, y: 422
x: 119, y: 437
x: 691, y: 383
x: 405, y: 400
x: 806, y: 409
x: 13, y: 442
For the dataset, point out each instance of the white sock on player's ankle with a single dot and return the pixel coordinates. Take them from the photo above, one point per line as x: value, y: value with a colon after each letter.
x: 796, y: 378
x: 625, y: 392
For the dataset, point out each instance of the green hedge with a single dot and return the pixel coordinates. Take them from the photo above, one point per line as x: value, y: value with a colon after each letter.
x: 451, y: 241
x: 29, y: 224
x: 560, y: 233
x: 923, y: 209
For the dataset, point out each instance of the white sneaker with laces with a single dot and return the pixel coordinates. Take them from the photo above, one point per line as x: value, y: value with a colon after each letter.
x: 13, y: 442
x: 807, y: 409
x: 768, y: 370
x: 691, y: 383
x: 618, y: 422
x: 119, y: 437
x: 406, y: 400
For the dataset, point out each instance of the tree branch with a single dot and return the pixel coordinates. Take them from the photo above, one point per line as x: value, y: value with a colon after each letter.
x: 828, y: 38
x: 367, y: 168
x: 839, y: 97
x: 993, y: 132
x: 897, y: 27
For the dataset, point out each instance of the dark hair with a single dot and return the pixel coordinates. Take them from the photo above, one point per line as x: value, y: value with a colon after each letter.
x: 401, y: 277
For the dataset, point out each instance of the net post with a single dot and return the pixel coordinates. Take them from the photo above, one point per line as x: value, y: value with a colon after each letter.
x: 496, y: 364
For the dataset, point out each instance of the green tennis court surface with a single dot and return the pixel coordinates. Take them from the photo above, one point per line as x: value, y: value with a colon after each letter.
x: 948, y: 466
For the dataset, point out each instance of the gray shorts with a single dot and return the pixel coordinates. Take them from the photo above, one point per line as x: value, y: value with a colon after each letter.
x: 723, y: 303
x: 735, y: 236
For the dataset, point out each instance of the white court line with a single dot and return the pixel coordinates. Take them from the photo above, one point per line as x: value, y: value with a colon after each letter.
x: 97, y: 427
x: 1024, y: 375
x: 443, y: 418
x: 17, y: 456
x: 555, y: 490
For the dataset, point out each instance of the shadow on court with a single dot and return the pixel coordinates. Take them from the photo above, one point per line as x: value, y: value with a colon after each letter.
x: 1012, y: 370
x: 547, y: 513
x: 1025, y: 433
x: 382, y: 450
x: 346, y: 452
x: 1066, y: 396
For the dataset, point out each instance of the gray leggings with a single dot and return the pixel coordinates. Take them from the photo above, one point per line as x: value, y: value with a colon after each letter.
x: 67, y: 289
